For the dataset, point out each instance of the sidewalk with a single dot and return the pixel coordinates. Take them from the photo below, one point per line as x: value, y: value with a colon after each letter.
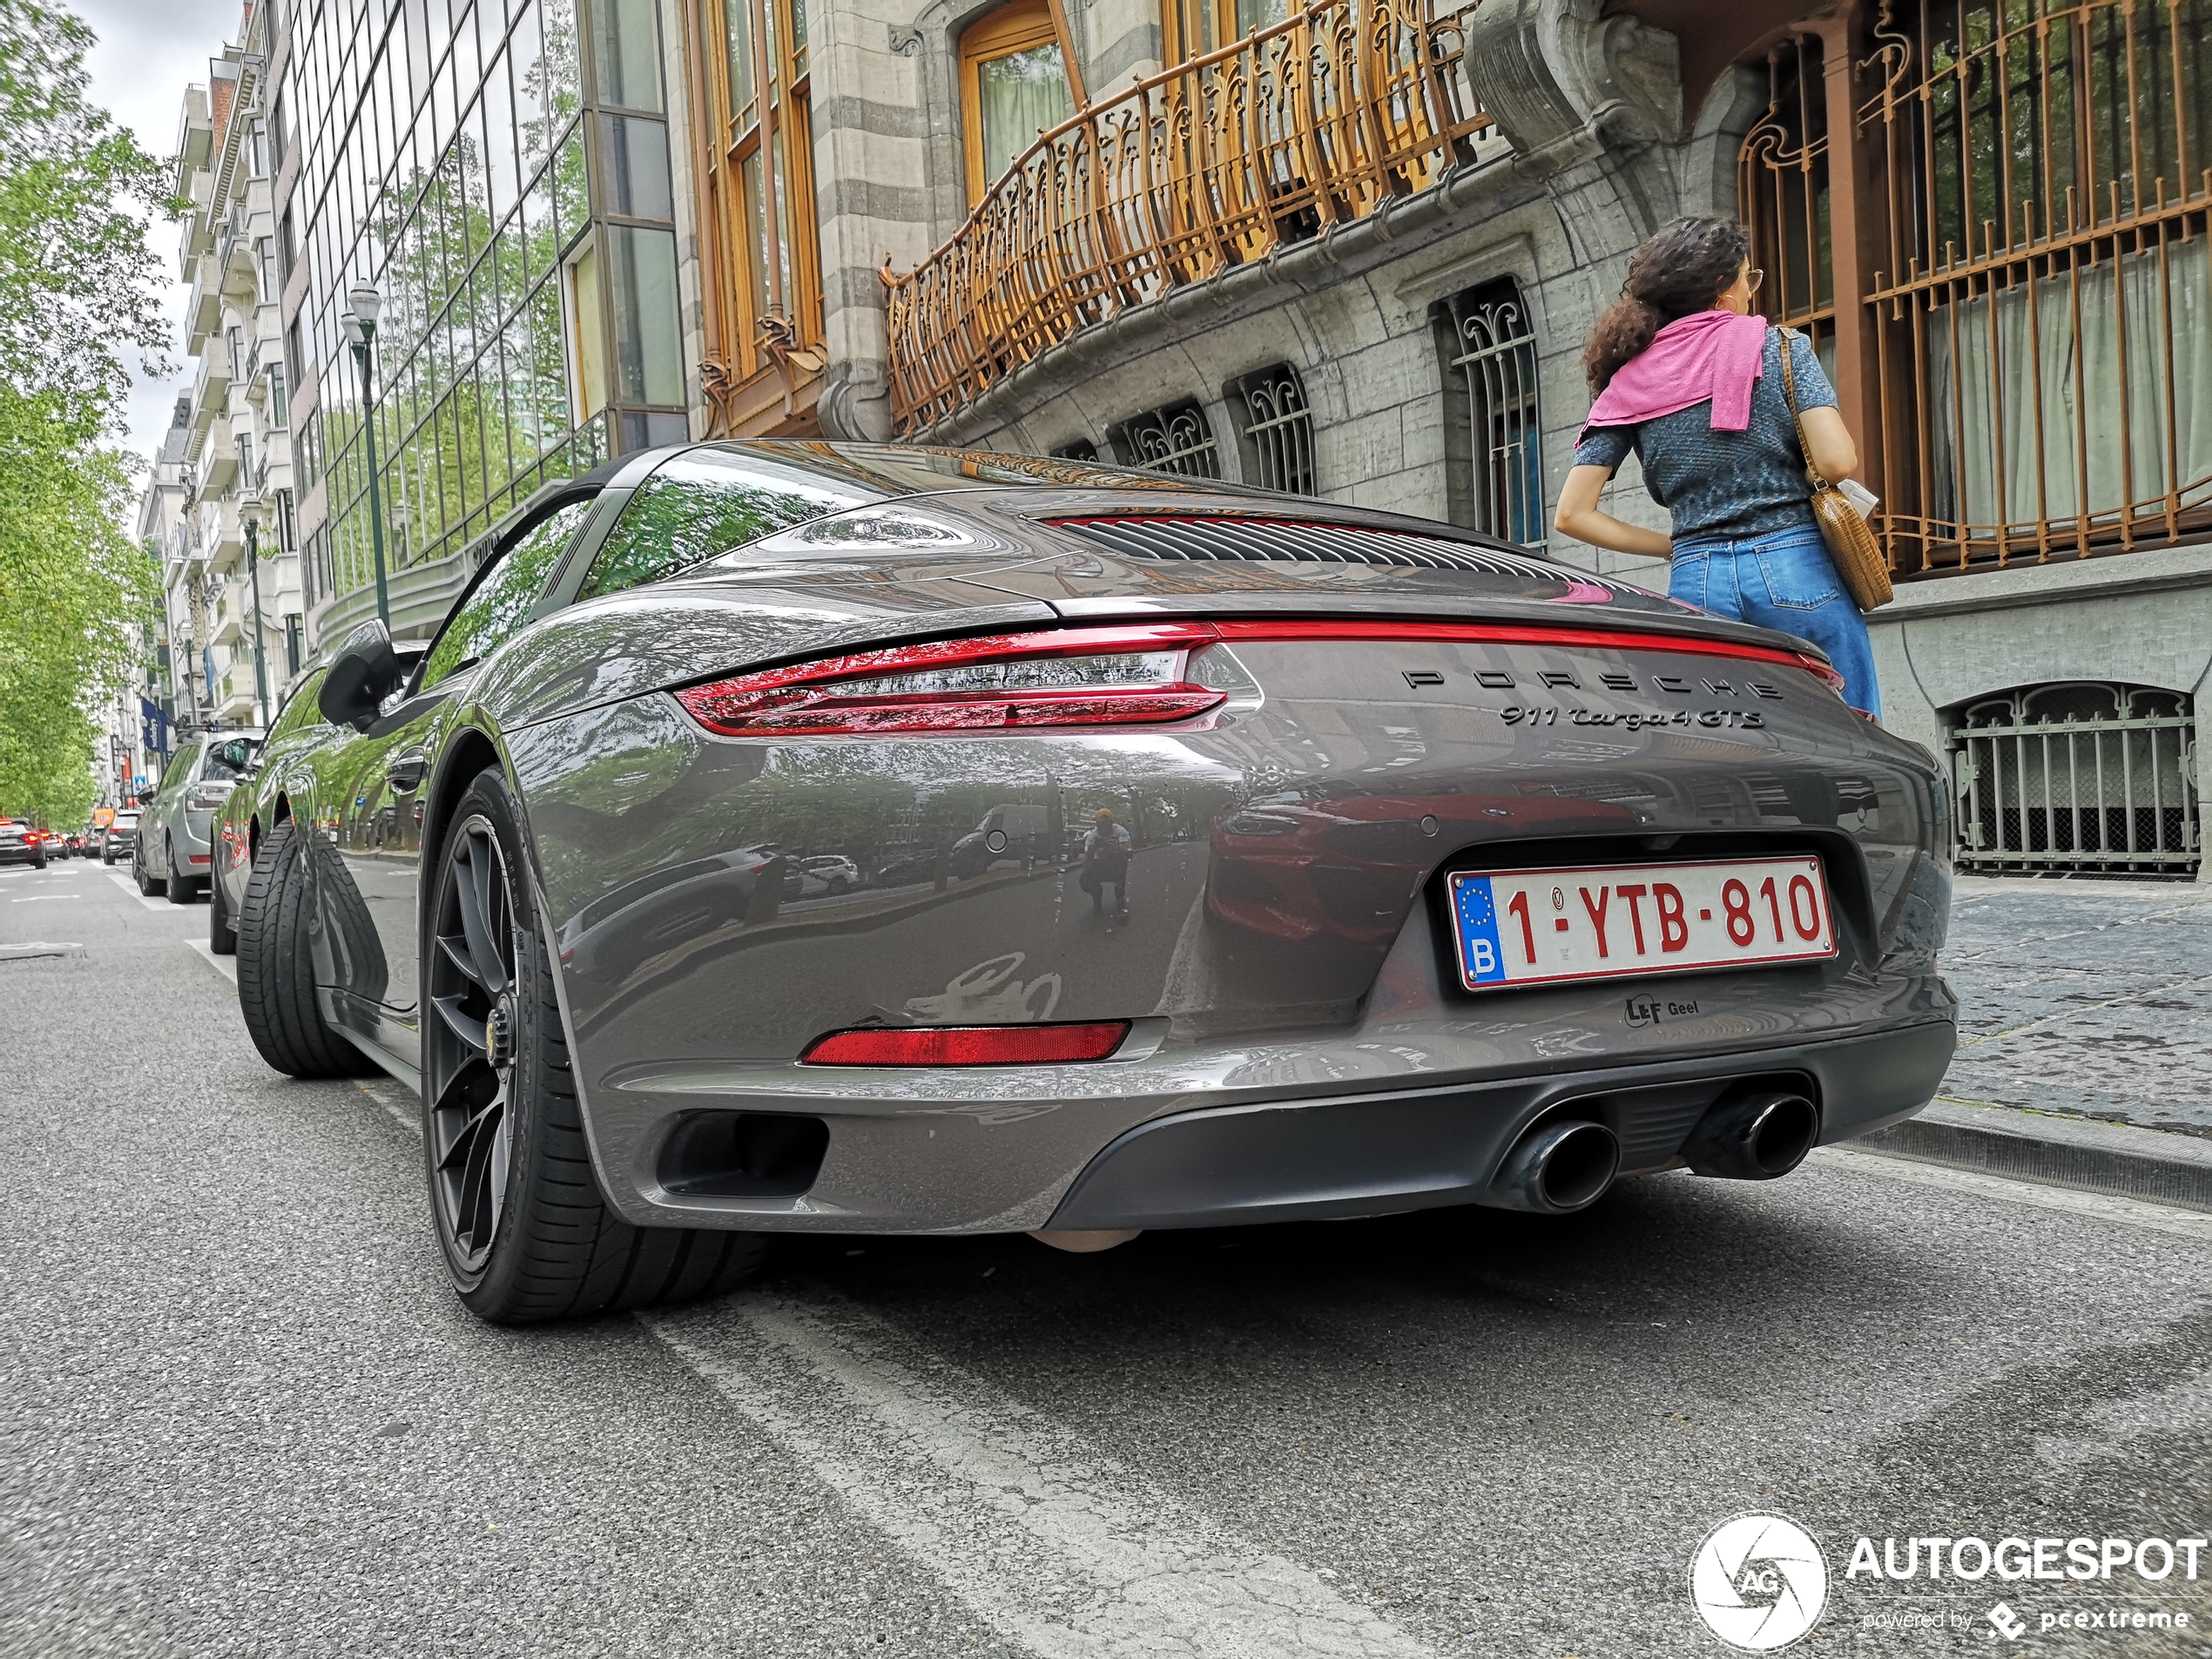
x: 2085, y: 1038
x: 2091, y: 998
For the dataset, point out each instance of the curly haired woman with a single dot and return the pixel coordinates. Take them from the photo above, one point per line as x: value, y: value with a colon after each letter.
x: 1684, y: 374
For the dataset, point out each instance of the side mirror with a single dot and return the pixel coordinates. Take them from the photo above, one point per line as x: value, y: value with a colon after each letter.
x: 366, y: 671
x: 237, y: 753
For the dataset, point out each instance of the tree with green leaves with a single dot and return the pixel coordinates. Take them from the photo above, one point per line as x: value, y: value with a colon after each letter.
x: 78, y: 291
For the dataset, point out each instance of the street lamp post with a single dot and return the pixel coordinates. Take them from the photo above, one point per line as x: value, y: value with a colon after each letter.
x: 249, y: 514
x: 363, y: 306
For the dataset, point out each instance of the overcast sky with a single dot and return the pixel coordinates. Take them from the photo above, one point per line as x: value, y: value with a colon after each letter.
x: 150, y: 51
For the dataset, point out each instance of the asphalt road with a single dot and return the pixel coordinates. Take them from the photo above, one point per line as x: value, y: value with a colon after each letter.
x: 240, y: 1412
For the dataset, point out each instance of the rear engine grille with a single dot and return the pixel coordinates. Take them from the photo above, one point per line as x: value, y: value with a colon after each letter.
x: 1296, y: 541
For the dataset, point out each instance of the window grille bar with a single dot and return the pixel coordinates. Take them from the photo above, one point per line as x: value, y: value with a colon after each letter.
x: 2004, y: 750
x: 1278, y: 427
x: 1176, y: 439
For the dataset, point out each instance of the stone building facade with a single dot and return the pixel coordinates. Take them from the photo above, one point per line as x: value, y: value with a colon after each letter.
x: 1352, y: 252
x: 226, y: 461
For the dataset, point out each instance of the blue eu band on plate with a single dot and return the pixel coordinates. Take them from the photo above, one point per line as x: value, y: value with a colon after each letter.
x: 1537, y: 926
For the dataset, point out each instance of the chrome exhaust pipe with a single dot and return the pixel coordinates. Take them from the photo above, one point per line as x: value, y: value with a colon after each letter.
x: 1556, y: 1169
x: 1756, y: 1138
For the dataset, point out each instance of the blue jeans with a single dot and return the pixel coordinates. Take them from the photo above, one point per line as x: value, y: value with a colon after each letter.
x: 1785, y: 580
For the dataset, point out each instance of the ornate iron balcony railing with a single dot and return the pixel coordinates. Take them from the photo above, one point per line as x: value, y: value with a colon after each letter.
x: 1308, y: 124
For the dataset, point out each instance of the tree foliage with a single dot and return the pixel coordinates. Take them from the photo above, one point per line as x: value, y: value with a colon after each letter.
x: 76, y: 293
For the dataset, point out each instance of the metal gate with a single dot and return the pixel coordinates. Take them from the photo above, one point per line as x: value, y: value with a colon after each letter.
x: 2079, y: 775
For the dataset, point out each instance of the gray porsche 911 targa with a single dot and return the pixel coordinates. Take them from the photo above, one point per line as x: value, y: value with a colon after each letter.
x: 785, y: 837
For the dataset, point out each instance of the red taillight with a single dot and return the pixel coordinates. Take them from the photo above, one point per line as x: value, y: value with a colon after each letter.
x: 1126, y: 674
x: 1821, y: 670
x: 967, y: 1045
x: 1130, y: 675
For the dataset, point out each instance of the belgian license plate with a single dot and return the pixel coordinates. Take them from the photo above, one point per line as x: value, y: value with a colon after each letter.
x: 1542, y: 927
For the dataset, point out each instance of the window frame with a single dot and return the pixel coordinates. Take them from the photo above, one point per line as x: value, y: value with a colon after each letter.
x: 506, y: 538
x: 1018, y: 26
x: 725, y: 148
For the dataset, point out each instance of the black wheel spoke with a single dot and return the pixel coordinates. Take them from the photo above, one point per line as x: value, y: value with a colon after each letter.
x: 470, y: 1031
x: 470, y: 1047
x: 456, y: 947
x: 477, y: 921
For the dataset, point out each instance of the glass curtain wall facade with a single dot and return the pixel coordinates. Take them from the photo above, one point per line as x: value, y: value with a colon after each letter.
x: 499, y: 170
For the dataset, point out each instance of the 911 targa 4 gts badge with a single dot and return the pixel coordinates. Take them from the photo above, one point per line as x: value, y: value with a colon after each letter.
x: 1635, y: 720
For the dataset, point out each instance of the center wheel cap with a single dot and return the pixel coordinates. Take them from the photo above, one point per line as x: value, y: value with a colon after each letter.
x: 499, y: 1032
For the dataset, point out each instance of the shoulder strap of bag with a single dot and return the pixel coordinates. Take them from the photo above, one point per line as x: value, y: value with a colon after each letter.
x: 1790, y: 391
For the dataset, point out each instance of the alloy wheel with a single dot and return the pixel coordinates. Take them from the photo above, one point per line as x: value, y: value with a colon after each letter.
x: 473, y: 1041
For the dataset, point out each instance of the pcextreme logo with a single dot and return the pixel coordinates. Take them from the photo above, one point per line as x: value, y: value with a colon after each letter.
x: 1759, y: 1583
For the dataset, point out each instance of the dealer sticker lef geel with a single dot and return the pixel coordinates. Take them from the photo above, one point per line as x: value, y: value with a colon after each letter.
x: 1538, y: 927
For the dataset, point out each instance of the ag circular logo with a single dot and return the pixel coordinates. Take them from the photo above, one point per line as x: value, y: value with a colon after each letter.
x: 1759, y: 1583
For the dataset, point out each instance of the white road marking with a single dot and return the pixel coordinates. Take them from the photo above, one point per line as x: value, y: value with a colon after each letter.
x: 1060, y: 1549
x: 2097, y: 1206
x: 41, y: 898
x: 132, y: 887
x: 34, y: 948
x: 227, y: 966
x: 408, y: 1117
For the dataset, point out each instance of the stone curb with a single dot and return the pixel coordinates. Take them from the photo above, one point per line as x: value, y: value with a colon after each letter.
x: 2079, y: 1152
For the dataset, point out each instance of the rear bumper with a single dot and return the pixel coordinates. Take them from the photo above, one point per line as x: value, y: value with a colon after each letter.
x: 1164, y: 1136
x: 1372, y: 1155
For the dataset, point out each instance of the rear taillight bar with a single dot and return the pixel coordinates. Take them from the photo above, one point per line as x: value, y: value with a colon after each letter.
x: 940, y: 685
x: 967, y: 1045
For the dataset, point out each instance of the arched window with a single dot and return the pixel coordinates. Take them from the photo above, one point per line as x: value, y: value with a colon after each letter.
x: 1493, y: 424
x: 1014, y: 81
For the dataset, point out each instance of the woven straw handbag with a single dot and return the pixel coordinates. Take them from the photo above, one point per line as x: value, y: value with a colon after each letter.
x: 1851, y: 541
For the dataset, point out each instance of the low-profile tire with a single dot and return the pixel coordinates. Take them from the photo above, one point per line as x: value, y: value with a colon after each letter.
x: 182, y: 888
x: 276, y: 978
x: 525, y: 1232
x: 148, y: 883
x: 222, y: 936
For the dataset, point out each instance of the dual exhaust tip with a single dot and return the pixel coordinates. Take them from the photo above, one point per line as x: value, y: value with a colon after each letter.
x: 1567, y: 1165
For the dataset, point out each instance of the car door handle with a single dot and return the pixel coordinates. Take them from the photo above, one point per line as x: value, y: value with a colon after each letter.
x: 405, y: 771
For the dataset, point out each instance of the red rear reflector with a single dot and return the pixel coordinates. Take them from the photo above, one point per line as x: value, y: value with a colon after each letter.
x: 967, y: 1045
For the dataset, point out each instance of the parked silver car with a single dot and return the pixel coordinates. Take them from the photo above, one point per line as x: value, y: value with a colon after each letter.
x: 173, y: 854
x: 120, y: 838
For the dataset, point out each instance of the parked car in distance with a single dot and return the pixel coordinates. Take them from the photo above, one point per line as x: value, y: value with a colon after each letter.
x: 175, y: 852
x: 118, y: 840
x: 55, y: 842
x: 810, y: 878
x: 20, y: 843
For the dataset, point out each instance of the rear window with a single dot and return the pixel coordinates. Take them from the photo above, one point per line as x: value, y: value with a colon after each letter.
x: 218, y: 769
x: 706, y: 502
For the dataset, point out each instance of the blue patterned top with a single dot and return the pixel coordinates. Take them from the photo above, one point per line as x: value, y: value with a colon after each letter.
x: 1726, y: 485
